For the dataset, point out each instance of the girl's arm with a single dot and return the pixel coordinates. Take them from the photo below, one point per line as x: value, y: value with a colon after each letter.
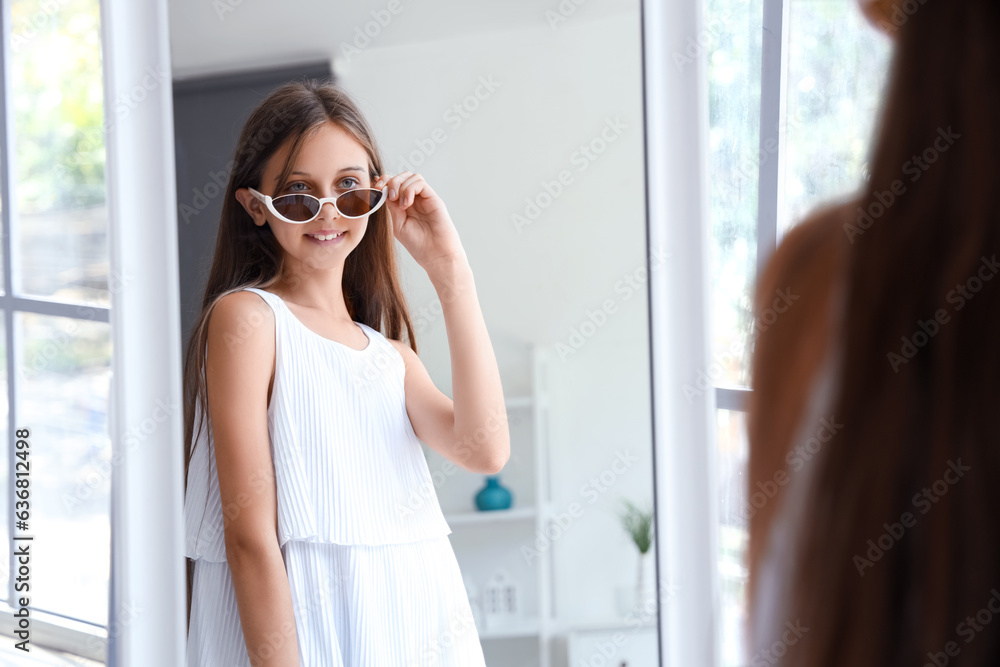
x: 238, y: 371
x: 481, y: 435
x: 471, y: 429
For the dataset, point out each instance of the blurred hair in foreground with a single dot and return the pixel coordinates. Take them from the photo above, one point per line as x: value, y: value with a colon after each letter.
x: 894, y: 558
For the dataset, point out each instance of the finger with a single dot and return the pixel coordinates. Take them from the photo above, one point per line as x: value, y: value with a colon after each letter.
x: 410, y: 188
x: 395, y: 182
x: 382, y: 182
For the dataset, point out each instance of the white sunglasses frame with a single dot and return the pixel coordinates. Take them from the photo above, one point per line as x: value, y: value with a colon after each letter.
x: 333, y: 200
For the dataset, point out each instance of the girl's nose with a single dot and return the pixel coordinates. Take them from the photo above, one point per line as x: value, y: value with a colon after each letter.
x: 328, y: 209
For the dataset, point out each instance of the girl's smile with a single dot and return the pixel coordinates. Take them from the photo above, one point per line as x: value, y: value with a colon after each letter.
x: 329, y: 238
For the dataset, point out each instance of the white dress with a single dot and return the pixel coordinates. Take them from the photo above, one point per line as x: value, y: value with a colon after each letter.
x: 373, y: 576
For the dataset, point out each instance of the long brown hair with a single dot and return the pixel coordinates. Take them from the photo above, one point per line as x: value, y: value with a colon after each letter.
x: 891, y: 561
x: 247, y: 255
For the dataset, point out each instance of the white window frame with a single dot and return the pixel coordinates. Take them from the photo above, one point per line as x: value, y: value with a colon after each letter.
x: 148, y: 607
x: 147, y: 601
x: 48, y: 628
x: 675, y: 124
x: 772, y: 144
x: 686, y: 488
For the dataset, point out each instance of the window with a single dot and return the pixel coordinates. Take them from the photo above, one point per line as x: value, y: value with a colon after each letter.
x: 791, y: 118
x: 54, y: 296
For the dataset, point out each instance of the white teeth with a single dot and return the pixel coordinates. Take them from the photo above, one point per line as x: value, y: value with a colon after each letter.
x: 325, y: 238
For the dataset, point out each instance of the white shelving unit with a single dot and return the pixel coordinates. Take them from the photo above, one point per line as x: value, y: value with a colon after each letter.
x: 485, y: 541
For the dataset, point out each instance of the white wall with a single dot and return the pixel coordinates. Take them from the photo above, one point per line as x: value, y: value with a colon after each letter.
x: 232, y: 35
x: 556, y: 90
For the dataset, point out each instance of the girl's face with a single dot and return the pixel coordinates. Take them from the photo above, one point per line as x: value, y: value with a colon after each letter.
x: 330, y: 162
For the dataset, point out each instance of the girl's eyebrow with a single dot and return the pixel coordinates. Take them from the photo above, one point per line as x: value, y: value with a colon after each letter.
x: 302, y: 173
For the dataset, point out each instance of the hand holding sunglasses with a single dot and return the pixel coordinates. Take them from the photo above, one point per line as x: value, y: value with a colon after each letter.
x: 421, y: 222
x: 300, y: 208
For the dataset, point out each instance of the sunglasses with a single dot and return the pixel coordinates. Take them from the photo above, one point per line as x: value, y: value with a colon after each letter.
x: 299, y: 208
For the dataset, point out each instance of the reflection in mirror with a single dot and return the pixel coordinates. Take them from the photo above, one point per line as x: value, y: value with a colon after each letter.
x: 527, y: 122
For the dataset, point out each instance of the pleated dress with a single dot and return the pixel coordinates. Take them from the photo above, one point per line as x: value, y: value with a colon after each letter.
x: 373, y: 577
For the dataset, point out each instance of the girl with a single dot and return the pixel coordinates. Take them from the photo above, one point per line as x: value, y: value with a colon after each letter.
x: 311, y: 519
x: 882, y: 546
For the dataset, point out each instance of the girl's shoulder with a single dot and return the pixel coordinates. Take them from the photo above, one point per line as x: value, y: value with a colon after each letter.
x: 237, y: 315
x: 244, y: 298
x: 405, y: 351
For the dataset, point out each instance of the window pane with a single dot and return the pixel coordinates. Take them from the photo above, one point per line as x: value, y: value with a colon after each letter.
x: 732, y: 460
x: 734, y: 62
x: 60, y: 230
x: 63, y: 378
x: 836, y: 69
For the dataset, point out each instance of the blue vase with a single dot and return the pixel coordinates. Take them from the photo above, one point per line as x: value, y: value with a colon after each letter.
x: 493, y: 496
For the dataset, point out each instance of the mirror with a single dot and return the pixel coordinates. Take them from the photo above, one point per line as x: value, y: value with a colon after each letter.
x: 527, y: 121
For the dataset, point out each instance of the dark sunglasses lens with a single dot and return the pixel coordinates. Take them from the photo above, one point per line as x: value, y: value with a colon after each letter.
x: 296, y: 207
x: 358, y: 202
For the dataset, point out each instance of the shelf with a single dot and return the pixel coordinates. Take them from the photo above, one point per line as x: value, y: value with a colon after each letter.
x: 493, y: 546
x: 613, y: 623
x: 491, y: 516
x: 527, y: 627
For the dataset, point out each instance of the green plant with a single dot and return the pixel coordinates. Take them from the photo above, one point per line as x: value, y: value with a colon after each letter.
x: 638, y: 523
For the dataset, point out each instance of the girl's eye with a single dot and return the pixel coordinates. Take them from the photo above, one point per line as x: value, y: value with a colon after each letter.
x: 292, y: 187
x: 353, y: 183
